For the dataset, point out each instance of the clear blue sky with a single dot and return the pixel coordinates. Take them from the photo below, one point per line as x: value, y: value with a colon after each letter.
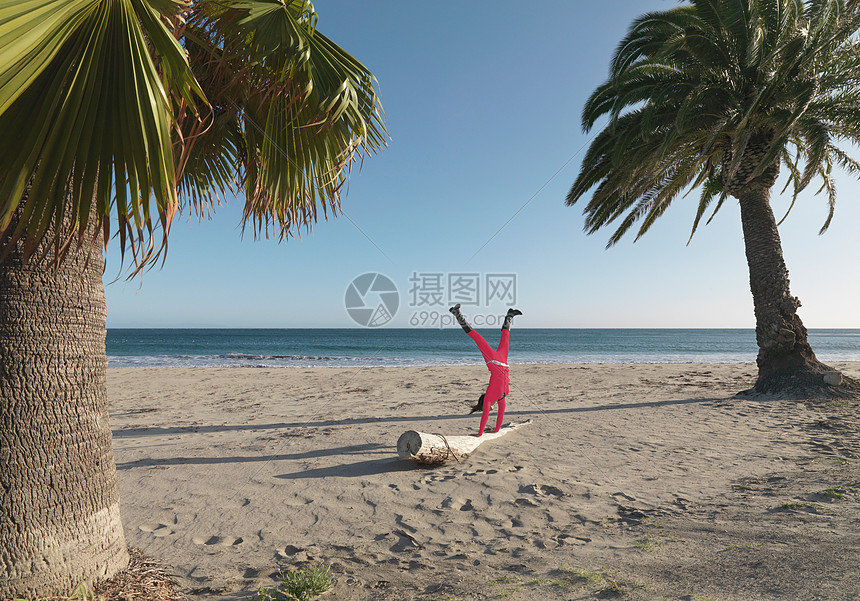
x: 482, y: 101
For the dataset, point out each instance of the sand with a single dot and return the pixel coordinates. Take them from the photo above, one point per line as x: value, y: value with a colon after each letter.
x: 632, y: 482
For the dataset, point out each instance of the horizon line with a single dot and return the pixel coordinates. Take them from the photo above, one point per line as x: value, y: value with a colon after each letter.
x: 360, y: 328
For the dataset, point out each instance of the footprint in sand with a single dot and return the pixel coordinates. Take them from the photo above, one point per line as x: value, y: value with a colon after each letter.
x: 405, y: 542
x: 545, y: 544
x: 224, y: 541
x: 250, y: 573
x: 542, y: 490
x: 461, y: 504
x: 158, y: 530
x: 539, y: 491
x: 292, y: 553
x: 523, y: 502
x: 623, y: 496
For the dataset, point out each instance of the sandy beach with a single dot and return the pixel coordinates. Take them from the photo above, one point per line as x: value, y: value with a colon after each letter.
x: 632, y: 482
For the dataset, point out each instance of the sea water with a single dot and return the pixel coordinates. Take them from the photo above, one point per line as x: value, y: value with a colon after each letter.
x: 413, y: 346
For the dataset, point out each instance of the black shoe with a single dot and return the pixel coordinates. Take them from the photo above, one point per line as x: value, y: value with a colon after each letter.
x: 509, y: 318
x: 455, y: 310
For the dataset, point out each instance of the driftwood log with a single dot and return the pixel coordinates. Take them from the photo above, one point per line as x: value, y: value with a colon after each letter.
x: 433, y: 449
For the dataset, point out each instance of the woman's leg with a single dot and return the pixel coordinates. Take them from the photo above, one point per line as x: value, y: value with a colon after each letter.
x: 495, y: 390
x: 486, y: 350
x: 485, y: 416
x: 506, y: 332
x: 501, y: 416
x: 503, y: 345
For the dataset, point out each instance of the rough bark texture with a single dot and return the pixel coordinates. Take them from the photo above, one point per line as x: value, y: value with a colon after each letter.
x: 60, y: 522
x: 786, y: 362
x: 781, y: 336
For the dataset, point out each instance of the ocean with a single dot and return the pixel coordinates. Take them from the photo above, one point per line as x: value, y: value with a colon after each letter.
x: 412, y: 346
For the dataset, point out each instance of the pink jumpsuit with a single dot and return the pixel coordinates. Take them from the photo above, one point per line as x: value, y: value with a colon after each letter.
x: 497, y: 389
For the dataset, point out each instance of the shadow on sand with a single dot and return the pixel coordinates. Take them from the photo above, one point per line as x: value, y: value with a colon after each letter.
x: 369, y: 467
x: 160, y: 431
x: 327, y: 452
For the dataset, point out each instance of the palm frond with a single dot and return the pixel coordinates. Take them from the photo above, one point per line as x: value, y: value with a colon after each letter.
x: 306, y: 109
x: 711, y: 188
x: 121, y: 111
x: 710, y: 95
x: 89, y: 121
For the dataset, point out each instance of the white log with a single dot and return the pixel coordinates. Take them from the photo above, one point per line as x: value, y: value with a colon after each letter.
x: 433, y: 449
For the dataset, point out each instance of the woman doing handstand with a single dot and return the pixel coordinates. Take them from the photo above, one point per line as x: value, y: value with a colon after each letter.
x: 497, y: 363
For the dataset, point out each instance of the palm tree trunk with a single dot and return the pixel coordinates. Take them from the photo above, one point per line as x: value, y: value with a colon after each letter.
x: 60, y: 524
x: 785, y: 359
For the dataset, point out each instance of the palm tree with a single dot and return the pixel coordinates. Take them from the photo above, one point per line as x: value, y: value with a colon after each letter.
x: 719, y: 95
x: 117, y: 114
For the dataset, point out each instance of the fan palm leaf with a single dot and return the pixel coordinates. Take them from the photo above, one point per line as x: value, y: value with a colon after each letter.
x: 86, y: 116
x: 126, y: 111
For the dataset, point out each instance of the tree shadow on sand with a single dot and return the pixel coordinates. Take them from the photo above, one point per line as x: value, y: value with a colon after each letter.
x: 415, y: 419
x: 370, y: 467
x: 324, y: 452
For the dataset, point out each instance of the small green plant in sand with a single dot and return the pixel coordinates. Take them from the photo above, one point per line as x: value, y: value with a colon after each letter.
x: 611, y: 582
x: 299, y: 585
x: 803, y: 506
x: 646, y: 543
x: 581, y: 576
x: 835, y: 493
x: 616, y: 585
x: 550, y: 581
x: 840, y: 492
x: 514, y: 583
x: 587, y: 577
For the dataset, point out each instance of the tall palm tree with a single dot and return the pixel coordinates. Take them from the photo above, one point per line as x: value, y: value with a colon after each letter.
x: 719, y: 95
x: 115, y: 115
